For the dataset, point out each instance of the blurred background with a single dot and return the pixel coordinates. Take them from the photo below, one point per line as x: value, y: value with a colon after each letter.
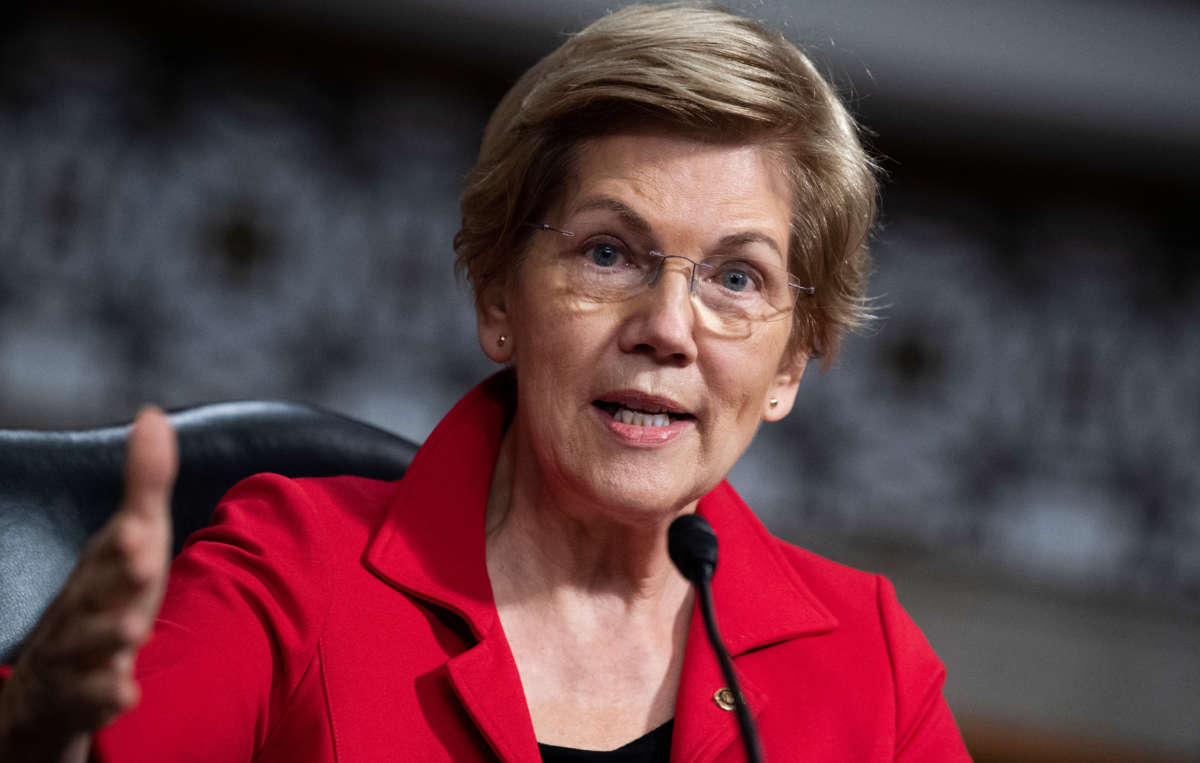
x: 214, y: 200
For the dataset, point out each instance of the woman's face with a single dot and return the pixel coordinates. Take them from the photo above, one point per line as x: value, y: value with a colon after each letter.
x: 595, y: 376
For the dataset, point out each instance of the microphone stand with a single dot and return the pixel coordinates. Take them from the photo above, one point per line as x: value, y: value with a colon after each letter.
x: 693, y: 548
x: 749, y: 733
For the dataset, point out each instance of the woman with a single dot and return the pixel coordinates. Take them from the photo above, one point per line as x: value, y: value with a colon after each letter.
x: 666, y: 221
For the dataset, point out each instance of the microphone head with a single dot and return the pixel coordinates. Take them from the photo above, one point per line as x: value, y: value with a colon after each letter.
x: 692, y: 545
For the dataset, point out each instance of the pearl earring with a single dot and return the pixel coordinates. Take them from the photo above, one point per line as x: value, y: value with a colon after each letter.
x: 501, y: 340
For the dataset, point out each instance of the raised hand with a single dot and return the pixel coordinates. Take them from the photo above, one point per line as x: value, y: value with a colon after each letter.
x: 75, y: 673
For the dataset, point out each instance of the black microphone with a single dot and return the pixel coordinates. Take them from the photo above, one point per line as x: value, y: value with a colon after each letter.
x: 692, y: 545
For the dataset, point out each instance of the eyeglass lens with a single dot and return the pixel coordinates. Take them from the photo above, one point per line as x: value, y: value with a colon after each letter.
x: 735, y: 289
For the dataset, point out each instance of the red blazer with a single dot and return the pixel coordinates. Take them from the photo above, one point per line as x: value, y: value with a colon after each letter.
x: 352, y: 620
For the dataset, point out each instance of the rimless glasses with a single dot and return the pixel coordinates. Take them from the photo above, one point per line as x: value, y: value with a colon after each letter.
x: 735, y: 290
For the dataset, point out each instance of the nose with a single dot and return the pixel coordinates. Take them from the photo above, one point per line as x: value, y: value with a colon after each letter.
x: 661, y: 322
x: 685, y: 265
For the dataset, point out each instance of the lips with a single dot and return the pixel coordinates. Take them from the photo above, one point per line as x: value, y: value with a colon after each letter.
x: 640, y: 409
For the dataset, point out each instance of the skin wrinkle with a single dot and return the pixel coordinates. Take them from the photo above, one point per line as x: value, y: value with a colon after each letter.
x: 635, y: 221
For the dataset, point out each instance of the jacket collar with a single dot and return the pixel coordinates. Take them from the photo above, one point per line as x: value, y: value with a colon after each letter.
x: 432, y: 540
x: 760, y: 600
x: 759, y: 597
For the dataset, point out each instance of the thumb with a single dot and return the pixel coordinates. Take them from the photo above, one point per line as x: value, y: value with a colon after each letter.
x: 151, y: 460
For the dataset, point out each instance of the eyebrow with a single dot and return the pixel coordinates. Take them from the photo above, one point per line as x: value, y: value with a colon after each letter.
x: 623, y: 210
x: 632, y: 219
x: 735, y: 240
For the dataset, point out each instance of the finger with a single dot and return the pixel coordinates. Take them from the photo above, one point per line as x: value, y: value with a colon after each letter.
x: 102, y: 694
x: 151, y: 460
x: 73, y: 697
x: 93, y: 642
x: 126, y: 559
x: 99, y: 639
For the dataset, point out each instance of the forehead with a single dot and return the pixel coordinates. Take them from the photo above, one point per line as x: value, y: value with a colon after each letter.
x: 673, y: 182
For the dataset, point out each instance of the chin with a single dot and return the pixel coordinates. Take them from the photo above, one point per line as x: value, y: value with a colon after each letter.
x: 635, y: 495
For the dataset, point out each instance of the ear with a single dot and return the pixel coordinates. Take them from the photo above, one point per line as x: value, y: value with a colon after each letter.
x: 783, y: 389
x: 494, y: 324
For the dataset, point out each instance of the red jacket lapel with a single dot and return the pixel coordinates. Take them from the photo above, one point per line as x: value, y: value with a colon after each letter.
x: 760, y: 601
x: 432, y: 546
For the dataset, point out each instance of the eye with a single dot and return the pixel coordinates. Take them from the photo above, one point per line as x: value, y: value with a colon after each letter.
x: 735, y: 280
x: 603, y: 254
x: 737, y: 277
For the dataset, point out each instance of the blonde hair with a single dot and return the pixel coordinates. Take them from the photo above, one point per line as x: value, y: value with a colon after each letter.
x: 705, y: 73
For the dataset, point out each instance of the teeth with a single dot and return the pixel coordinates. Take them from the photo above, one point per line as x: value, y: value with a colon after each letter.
x: 639, y: 419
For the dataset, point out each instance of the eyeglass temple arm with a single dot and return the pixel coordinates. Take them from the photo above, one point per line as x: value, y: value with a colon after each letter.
x: 551, y: 228
x: 809, y: 290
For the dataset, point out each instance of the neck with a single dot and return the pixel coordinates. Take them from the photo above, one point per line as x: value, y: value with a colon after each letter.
x: 557, y: 551
x: 595, y: 614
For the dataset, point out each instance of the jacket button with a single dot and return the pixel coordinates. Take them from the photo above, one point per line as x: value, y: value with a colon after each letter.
x: 725, y: 699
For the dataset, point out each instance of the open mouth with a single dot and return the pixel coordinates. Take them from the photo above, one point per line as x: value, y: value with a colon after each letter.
x: 644, y: 415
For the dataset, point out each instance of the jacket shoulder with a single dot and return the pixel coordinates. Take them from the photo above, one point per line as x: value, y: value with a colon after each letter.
x: 826, y: 576
x: 330, y: 502
x: 858, y: 599
x: 866, y: 605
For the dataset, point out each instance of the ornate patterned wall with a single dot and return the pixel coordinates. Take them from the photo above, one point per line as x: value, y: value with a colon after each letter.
x: 201, y: 230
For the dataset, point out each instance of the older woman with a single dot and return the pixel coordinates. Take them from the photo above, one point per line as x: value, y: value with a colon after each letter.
x: 666, y: 222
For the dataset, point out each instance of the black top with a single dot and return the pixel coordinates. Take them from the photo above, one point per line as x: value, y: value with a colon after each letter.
x: 654, y: 747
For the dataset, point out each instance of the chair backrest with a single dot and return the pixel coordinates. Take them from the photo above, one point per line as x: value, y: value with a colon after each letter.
x: 58, y: 488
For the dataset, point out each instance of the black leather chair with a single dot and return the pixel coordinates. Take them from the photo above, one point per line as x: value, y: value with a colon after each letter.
x: 58, y: 488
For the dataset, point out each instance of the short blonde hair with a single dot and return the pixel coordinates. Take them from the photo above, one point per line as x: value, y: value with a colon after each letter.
x: 705, y: 73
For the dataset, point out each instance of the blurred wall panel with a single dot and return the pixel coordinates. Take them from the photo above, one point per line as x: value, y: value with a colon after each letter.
x: 198, y: 229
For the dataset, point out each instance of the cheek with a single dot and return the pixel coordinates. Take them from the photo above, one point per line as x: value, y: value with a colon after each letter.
x: 747, y: 370
x: 558, y: 326
x: 559, y: 345
x: 737, y: 395
x: 557, y: 339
